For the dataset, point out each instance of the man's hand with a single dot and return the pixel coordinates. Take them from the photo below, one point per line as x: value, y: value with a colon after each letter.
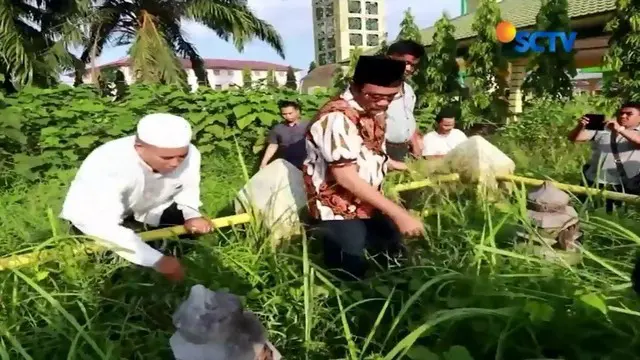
x: 583, y: 122
x: 198, y: 225
x: 614, y: 125
x: 170, y: 267
x: 397, y: 165
x: 408, y: 225
x: 416, y: 145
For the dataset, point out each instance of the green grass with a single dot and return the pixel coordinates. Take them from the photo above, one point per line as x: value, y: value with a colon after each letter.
x: 464, y: 293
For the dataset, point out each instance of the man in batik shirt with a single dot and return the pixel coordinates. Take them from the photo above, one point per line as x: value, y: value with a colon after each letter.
x: 346, y: 164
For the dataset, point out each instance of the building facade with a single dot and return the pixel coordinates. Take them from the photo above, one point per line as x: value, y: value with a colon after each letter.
x: 221, y: 73
x: 339, y: 26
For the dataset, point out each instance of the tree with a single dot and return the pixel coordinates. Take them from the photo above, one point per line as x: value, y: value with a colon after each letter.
x: 384, y: 45
x: 272, y: 82
x: 622, y: 57
x: 292, y: 82
x: 441, y: 74
x: 487, y: 67
x: 312, y: 66
x: 153, y: 27
x: 409, y: 30
x: 551, y: 73
x: 35, y: 38
x: 340, y: 79
x: 247, y: 80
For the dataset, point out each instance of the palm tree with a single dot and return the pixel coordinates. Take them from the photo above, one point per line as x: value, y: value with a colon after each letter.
x: 153, y: 29
x: 35, y: 36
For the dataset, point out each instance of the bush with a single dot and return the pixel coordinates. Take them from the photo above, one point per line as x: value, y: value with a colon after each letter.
x: 56, y: 128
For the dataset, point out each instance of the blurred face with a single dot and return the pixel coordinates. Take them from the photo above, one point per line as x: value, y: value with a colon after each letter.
x: 163, y: 161
x: 629, y: 117
x: 375, y: 99
x: 446, y: 125
x: 290, y: 114
x: 411, y: 63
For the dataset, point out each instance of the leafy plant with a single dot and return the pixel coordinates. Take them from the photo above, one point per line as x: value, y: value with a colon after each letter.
x: 487, y: 66
x: 441, y: 74
x: 41, y: 135
x: 271, y: 79
x: 340, y: 78
x: 623, y: 80
x: 247, y: 79
x: 292, y: 82
x: 551, y: 72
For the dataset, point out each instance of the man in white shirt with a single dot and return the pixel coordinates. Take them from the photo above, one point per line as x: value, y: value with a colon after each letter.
x: 152, y: 178
x: 402, y: 132
x: 438, y: 143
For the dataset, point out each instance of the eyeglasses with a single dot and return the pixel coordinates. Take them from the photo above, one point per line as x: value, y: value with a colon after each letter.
x: 379, y: 97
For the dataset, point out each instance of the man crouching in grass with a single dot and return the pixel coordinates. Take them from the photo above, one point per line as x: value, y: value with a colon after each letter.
x: 345, y: 166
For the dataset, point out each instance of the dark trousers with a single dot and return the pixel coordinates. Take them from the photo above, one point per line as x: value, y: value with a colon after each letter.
x: 398, y: 152
x: 172, y: 216
x: 345, y: 241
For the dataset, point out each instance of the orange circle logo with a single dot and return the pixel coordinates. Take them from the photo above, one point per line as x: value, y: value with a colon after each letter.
x: 506, y: 32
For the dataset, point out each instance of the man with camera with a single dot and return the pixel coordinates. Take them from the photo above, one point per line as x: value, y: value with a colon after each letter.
x: 615, y: 160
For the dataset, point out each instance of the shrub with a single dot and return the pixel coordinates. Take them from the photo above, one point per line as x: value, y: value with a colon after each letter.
x: 58, y: 127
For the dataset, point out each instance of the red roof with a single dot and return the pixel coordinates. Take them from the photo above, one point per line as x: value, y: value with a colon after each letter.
x: 223, y: 64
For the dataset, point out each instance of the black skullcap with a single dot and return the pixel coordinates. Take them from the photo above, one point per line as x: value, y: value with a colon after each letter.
x: 378, y: 70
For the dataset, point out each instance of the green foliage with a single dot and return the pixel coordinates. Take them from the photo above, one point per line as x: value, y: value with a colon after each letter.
x: 40, y: 134
x: 384, y: 45
x: 292, y: 82
x: 312, y: 66
x: 340, y: 79
x: 487, y: 67
x: 622, y: 57
x: 551, y: 73
x: 247, y: 79
x: 271, y: 79
x: 441, y: 74
x: 35, y: 38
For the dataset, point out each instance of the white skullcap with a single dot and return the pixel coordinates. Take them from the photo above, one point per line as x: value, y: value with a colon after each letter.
x: 165, y: 131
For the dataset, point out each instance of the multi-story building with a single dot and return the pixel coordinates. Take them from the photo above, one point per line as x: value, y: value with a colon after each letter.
x: 339, y: 26
x: 221, y: 73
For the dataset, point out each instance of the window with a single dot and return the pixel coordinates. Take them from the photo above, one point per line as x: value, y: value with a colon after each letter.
x: 216, y: 72
x: 331, y: 43
x: 331, y: 57
x: 218, y: 87
x: 322, y: 59
x: 355, y: 7
x: 328, y: 12
x: 373, y: 40
x: 319, y: 13
x: 355, y: 23
x: 321, y: 45
x: 372, y: 24
x: 372, y: 8
x: 355, y: 39
x: 230, y: 72
x: 257, y: 73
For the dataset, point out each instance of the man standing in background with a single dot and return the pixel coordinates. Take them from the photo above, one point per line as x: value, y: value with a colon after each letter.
x: 287, y: 139
x: 402, y: 136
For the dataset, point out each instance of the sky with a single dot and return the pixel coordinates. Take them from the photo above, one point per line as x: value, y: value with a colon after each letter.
x: 293, y: 20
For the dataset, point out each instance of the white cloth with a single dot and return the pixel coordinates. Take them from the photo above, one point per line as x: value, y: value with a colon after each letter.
x: 165, y: 131
x: 436, y: 144
x: 401, y: 123
x: 113, y: 183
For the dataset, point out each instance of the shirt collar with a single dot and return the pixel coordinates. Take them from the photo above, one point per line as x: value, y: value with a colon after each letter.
x: 402, y: 91
x: 348, y: 97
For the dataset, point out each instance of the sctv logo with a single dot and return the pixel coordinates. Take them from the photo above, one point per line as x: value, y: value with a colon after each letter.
x: 527, y: 40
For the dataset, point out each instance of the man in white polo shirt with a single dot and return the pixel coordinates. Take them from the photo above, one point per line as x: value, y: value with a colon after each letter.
x: 151, y: 178
x: 444, y: 138
x: 403, y: 137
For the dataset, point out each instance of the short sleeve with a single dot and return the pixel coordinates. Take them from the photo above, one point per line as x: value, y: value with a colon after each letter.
x: 337, y: 139
x: 272, y: 138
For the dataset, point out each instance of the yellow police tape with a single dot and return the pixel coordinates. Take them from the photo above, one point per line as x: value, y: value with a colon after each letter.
x: 41, y: 256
